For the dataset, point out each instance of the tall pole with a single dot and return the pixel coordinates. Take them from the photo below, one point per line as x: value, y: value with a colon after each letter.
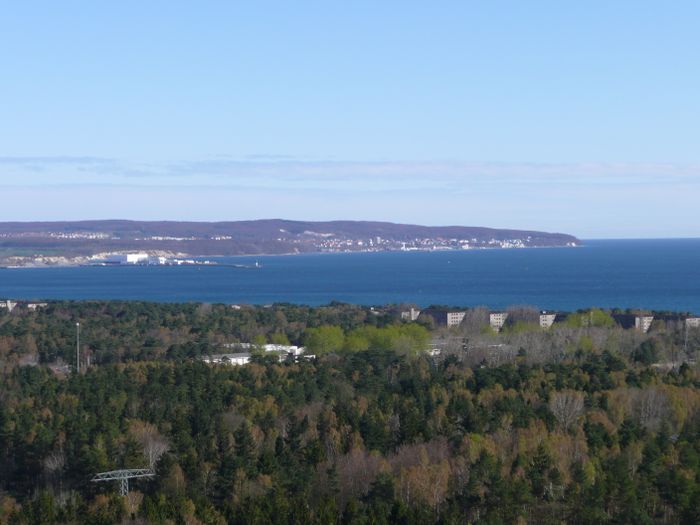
x: 77, y: 347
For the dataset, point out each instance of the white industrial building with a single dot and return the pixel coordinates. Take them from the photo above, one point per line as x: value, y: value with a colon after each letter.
x: 127, y: 258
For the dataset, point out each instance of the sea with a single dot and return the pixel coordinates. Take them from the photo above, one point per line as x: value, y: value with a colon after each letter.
x: 646, y: 274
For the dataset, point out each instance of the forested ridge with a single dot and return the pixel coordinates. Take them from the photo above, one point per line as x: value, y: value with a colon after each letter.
x: 76, y: 238
x: 583, y: 423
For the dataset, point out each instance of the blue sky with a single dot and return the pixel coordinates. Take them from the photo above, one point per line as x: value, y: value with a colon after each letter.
x: 570, y: 116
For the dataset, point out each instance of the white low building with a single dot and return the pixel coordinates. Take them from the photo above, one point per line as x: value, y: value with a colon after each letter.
x: 9, y: 305
x: 36, y: 306
x: 281, y: 349
x: 127, y: 258
x: 243, y: 358
x: 237, y: 359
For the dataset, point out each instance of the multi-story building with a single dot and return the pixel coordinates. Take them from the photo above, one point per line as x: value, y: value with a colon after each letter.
x: 643, y: 322
x: 692, y: 322
x: 547, y: 319
x: 455, y: 318
x: 410, y: 315
x: 497, y: 320
x: 10, y: 305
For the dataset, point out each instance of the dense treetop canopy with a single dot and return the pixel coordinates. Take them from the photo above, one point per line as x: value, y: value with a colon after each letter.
x: 584, y: 423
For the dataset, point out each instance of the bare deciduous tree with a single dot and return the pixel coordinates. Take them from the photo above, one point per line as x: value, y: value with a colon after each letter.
x: 54, y: 462
x: 153, y: 443
x: 651, y: 407
x: 475, y: 320
x: 567, y: 407
x: 523, y: 313
x: 356, y: 471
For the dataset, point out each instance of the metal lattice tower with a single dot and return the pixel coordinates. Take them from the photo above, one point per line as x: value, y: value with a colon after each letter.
x: 123, y: 476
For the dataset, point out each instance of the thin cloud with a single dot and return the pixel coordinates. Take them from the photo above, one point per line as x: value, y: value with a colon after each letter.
x: 55, y: 160
x: 279, y: 172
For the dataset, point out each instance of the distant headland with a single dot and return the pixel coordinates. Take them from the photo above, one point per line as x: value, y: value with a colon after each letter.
x: 78, y: 242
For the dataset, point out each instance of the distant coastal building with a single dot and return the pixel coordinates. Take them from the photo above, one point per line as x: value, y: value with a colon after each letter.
x: 643, y: 323
x: 444, y: 318
x: 36, y: 306
x: 497, y: 320
x: 547, y: 319
x: 692, y: 322
x: 639, y: 322
x: 455, y: 318
x: 410, y: 315
x: 9, y: 305
x: 127, y: 258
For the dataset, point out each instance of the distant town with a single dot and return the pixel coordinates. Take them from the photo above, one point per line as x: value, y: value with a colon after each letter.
x: 88, y: 242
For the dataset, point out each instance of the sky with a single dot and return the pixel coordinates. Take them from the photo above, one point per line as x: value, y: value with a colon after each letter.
x: 578, y: 117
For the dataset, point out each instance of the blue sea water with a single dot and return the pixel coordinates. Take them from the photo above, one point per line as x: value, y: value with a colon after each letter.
x: 653, y: 274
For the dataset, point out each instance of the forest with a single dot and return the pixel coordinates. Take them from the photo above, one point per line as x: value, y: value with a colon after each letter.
x: 389, y: 422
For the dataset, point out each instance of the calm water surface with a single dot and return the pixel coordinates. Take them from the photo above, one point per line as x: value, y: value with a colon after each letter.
x: 655, y: 274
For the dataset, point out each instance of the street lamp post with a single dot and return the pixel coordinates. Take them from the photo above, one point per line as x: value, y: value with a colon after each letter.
x: 77, y: 347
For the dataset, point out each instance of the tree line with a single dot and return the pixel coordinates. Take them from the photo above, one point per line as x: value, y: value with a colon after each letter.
x: 576, y: 425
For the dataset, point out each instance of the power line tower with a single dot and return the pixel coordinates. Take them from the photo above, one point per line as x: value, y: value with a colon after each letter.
x: 123, y: 476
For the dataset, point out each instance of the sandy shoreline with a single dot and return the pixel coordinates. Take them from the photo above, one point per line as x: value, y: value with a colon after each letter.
x: 20, y: 262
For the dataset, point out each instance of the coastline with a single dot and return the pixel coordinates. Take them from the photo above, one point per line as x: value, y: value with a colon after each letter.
x: 94, y: 260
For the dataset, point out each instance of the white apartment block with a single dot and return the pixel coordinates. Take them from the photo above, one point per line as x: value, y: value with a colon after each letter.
x: 643, y: 322
x: 497, y: 320
x: 547, y: 320
x: 10, y: 305
x: 692, y: 322
x: 410, y: 315
x: 455, y: 318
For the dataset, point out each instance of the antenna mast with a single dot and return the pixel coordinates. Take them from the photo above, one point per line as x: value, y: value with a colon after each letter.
x: 77, y: 347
